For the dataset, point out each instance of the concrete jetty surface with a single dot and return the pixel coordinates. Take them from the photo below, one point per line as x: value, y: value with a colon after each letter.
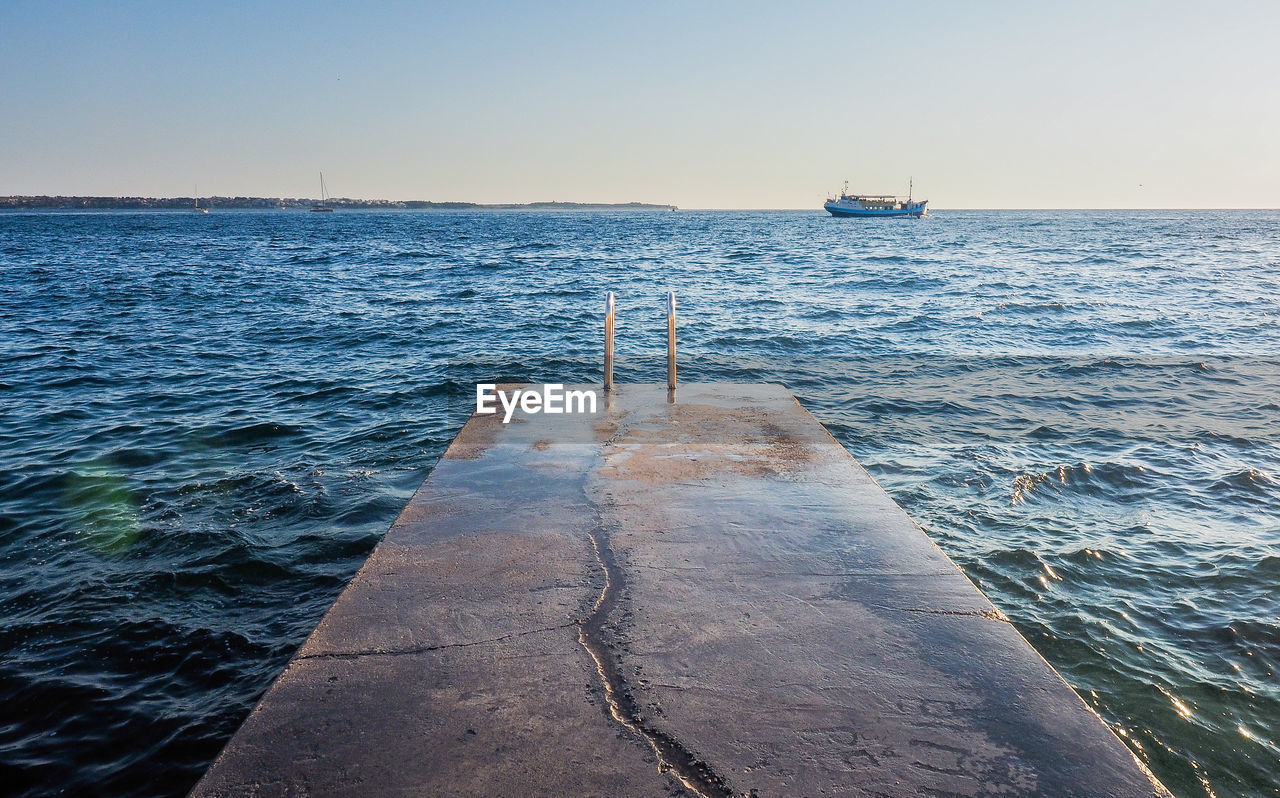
x: 698, y: 595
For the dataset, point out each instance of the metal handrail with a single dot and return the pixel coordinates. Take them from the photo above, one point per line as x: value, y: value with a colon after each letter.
x: 609, y: 305
x: 671, y: 340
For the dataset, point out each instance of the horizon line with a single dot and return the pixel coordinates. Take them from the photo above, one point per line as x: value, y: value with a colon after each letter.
x: 514, y: 205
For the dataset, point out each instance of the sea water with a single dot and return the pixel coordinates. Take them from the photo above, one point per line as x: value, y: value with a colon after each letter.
x: 207, y: 422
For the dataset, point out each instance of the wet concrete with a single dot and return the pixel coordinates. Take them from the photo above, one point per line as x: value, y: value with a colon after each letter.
x: 692, y: 595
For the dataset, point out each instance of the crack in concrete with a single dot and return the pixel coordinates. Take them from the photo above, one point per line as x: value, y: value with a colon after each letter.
x: 396, y: 652
x: 697, y: 776
x: 622, y: 429
x: 990, y: 615
x: 745, y: 568
x: 670, y: 568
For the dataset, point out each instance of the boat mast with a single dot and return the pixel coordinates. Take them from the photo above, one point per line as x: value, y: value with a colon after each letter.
x: 322, y: 188
x: 910, y: 181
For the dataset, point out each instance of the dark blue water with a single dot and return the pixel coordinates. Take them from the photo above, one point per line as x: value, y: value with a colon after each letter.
x: 206, y: 423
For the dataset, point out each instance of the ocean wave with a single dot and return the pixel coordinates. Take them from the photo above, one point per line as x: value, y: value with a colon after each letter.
x: 205, y: 431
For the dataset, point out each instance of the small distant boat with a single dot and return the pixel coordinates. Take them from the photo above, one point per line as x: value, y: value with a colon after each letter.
x: 323, y: 206
x: 198, y: 208
x: 874, y: 204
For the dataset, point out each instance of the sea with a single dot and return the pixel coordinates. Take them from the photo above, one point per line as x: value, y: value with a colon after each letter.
x: 208, y: 421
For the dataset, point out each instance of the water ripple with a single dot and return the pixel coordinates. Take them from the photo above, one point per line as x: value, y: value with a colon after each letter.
x: 207, y: 422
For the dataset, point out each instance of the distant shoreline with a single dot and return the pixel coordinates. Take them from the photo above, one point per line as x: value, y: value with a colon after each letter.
x: 61, y: 203
x: 294, y: 203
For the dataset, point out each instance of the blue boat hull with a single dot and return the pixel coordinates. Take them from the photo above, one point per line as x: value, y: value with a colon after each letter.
x: 915, y: 210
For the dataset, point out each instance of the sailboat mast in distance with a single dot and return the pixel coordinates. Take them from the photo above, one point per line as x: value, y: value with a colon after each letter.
x: 323, y: 205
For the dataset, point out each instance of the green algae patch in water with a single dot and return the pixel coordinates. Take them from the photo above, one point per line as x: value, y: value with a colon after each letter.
x: 101, y: 509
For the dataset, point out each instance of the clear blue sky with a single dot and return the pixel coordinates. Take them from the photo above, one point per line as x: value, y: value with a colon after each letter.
x: 701, y: 104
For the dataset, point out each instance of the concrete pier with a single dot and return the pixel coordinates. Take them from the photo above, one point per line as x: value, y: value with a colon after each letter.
x: 699, y: 594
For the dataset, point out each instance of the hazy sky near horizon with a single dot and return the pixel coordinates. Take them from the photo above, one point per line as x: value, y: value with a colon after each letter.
x: 699, y: 104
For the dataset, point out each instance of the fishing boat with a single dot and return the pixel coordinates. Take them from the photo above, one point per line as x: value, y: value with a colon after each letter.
x: 874, y: 204
x: 323, y: 206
